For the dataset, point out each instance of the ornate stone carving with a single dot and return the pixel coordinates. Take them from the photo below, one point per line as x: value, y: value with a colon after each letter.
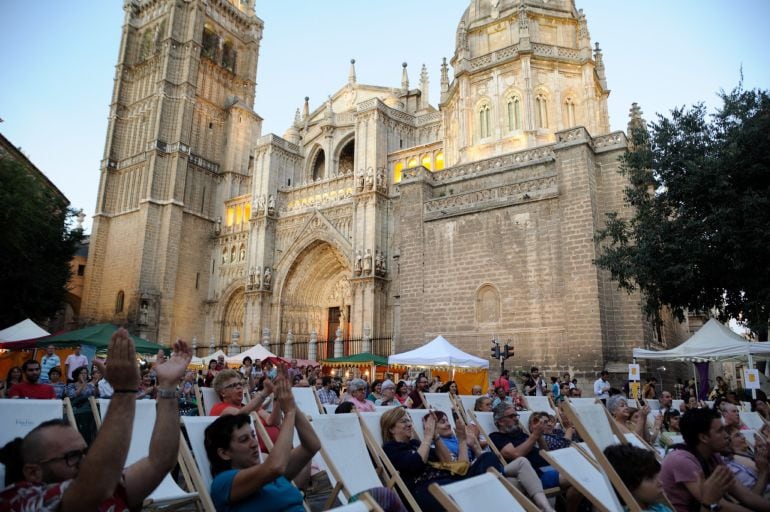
x: 271, y: 205
x: 267, y: 278
x: 379, y: 263
x: 358, y: 263
x: 369, y: 184
x: 368, y: 262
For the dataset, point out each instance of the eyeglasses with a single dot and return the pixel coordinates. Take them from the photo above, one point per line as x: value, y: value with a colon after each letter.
x: 71, y: 459
x: 512, y: 415
x: 234, y: 385
x: 405, y: 421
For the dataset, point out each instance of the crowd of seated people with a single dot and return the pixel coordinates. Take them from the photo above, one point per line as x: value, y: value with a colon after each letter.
x: 710, y: 460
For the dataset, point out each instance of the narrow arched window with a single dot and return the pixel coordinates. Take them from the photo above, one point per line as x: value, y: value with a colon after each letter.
x: 514, y: 113
x: 119, y: 302
x: 569, y: 111
x: 541, y: 111
x: 484, y: 121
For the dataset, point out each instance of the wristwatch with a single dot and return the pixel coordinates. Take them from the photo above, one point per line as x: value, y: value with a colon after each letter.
x: 168, y: 393
x: 714, y: 507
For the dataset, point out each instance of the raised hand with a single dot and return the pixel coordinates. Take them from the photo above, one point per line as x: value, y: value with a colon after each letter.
x: 283, y: 393
x: 122, y: 372
x: 173, y: 370
x: 267, y: 387
x: 429, y: 426
x: 538, y: 427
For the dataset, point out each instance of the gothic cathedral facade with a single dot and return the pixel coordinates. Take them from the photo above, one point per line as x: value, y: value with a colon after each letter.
x: 376, y: 212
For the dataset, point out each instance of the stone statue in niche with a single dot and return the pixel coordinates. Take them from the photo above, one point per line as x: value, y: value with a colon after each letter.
x: 218, y: 226
x: 369, y: 178
x: 267, y: 279
x: 379, y: 263
x: 360, y: 180
x: 242, y: 255
x: 258, y: 278
x: 144, y: 313
x: 261, y: 203
x: 271, y: 204
x: 357, y: 265
x: 381, y: 178
x: 368, y: 262
x: 252, y: 277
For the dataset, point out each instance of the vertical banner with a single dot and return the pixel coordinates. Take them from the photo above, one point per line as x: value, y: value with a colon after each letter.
x: 633, y: 372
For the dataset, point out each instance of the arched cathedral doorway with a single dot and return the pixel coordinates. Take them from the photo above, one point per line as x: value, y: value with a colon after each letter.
x: 232, y: 320
x: 316, y: 294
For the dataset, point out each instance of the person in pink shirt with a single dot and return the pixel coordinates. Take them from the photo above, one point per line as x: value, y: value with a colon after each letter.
x: 357, y: 392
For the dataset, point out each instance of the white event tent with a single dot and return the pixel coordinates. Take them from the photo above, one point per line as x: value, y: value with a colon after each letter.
x: 438, y: 352
x: 258, y: 351
x: 712, y: 342
x: 24, y: 330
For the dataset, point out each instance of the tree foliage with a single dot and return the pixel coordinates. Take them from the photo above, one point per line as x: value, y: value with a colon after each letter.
x: 699, y: 231
x: 36, y: 246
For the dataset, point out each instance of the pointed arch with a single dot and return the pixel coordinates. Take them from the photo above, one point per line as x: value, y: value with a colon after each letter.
x: 345, y: 154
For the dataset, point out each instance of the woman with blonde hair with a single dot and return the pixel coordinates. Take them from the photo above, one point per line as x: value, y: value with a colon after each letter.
x: 421, y: 463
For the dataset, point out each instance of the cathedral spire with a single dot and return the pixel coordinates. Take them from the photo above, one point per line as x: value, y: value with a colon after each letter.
x: 352, y: 72
x: 306, y: 108
x: 297, y: 119
x: 444, y: 79
x: 424, y: 86
x: 404, y: 79
x: 599, y: 59
x: 635, y: 119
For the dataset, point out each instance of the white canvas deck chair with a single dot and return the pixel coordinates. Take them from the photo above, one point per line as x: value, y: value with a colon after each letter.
x: 307, y: 401
x: 583, y: 401
x: 210, y: 398
x: 19, y: 417
x: 541, y: 404
x: 599, y: 431
x: 752, y: 420
x: 654, y: 404
x: 344, y: 451
x: 441, y: 402
x: 468, y: 402
x: 586, y: 476
x: 370, y: 427
x: 195, y: 458
x: 491, y: 488
x: 676, y: 404
x: 168, y: 494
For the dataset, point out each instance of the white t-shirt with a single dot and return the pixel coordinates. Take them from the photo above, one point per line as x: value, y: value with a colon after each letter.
x: 74, y: 362
x: 601, y: 388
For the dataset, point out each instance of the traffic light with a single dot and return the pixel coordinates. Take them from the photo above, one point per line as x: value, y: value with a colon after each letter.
x: 508, y: 351
x: 495, y: 350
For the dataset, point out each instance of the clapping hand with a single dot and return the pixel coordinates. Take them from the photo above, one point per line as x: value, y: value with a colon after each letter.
x: 716, y: 486
x: 172, y: 371
x: 429, y: 426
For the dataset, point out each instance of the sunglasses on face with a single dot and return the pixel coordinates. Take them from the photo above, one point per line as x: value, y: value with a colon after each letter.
x: 71, y: 459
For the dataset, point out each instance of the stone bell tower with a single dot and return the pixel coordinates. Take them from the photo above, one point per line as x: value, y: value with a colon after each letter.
x: 180, y: 129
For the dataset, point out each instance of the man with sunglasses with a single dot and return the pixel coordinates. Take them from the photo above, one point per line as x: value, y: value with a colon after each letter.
x: 59, y: 474
x: 513, y: 442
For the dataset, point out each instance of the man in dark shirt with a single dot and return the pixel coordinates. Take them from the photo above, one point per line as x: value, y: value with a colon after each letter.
x: 29, y: 388
x: 513, y: 442
x: 414, y: 400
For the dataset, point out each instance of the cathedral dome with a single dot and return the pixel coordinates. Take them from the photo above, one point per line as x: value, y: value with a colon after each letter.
x: 292, y: 135
x: 393, y: 102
